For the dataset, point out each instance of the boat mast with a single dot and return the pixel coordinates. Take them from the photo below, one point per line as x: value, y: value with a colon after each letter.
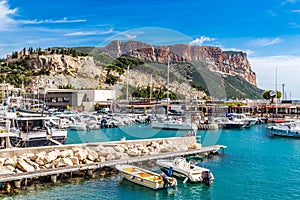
x: 276, y: 91
x: 127, y: 82
x: 168, y: 80
x: 150, y: 87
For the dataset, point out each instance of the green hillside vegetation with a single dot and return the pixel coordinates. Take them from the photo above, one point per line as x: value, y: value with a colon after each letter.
x: 237, y: 87
x: 119, y: 65
x: 215, y: 84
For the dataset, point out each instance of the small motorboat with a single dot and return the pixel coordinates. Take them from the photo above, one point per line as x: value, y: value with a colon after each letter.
x: 187, y: 171
x: 145, y: 177
x: 288, y: 129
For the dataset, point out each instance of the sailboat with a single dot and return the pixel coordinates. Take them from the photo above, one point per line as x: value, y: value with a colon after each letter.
x: 172, y: 124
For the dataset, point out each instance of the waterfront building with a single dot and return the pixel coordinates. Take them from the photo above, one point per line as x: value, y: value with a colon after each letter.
x: 83, y: 100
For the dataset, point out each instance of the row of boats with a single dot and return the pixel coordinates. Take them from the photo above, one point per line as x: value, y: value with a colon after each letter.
x: 171, y: 170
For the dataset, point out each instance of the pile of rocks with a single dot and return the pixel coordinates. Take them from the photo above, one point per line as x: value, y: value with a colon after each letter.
x: 84, y: 155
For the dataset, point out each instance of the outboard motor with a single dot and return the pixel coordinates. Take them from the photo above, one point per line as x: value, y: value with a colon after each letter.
x: 206, y: 178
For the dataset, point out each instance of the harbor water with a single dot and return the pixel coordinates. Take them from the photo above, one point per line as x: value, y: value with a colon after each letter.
x: 254, y: 166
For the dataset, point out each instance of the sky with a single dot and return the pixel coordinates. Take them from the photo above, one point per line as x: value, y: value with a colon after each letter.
x: 268, y: 31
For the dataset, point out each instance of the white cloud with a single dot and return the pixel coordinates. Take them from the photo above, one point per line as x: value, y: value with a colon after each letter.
x: 81, y: 33
x: 5, y: 15
x: 84, y: 33
x: 265, y: 41
x: 294, y: 25
x: 295, y: 11
x: 199, y: 41
x: 288, y: 70
x: 51, y: 21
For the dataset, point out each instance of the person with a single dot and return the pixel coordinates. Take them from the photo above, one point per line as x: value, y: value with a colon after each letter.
x: 165, y: 179
x: 170, y: 171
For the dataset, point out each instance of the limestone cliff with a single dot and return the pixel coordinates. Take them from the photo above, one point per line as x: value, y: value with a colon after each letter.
x: 227, y: 62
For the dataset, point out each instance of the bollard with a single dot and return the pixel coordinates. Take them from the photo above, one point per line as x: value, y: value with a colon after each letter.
x: 54, y: 178
x: 90, y: 172
x: 18, y: 183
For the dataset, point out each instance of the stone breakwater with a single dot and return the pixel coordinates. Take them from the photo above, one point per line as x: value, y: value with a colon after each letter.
x: 45, y: 158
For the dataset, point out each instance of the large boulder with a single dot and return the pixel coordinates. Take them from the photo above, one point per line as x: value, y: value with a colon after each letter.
x: 5, y: 170
x: 34, y: 164
x: 81, y: 154
x: 119, y: 149
x: 102, y: 159
x: 66, y: 153
x: 103, y: 153
x: 110, y: 157
x: 10, y: 161
x: 67, y: 161
x: 92, y: 154
x: 74, y: 160
x: 24, y: 166
x: 164, y: 149
x: 134, y: 152
x: 2, y: 160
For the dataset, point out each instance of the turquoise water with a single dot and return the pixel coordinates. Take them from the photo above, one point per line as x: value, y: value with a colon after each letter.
x: 253, y: 166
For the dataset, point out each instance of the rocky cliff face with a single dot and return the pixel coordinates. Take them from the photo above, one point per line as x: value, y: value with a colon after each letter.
x: 227, y: 62
x: 80, y: 71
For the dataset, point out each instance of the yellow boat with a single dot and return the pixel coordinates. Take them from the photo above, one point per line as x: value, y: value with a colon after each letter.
x: 145, y: 177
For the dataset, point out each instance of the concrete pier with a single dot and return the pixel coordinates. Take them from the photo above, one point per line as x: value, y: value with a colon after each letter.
x: 89, y: 168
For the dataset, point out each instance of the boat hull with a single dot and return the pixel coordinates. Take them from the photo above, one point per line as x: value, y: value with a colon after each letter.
x: 170, y: 126
x: 36, y: 142
x: 144, y: 177
x: 192, y: 173
x: 284, y: 130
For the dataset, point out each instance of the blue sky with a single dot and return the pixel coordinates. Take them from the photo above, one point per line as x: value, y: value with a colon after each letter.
x: 269, y: 31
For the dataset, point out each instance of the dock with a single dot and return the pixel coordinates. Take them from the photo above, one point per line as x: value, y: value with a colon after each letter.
x: 23, y: 179
x: 99, y: 165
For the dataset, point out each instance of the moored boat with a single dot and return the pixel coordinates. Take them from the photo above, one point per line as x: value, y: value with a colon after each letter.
x: 36, y: 131
x: 182, y: 169
x: 288, y: 129
x: 145, y: 177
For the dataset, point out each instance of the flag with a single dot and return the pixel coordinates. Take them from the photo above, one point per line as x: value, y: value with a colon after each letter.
x: 272, y: 93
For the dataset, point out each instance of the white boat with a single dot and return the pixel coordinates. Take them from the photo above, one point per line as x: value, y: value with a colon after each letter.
x: 145, y: 177
x: 5, y: 134
x: 182, y: 169
x: 225, y: 123
x: 173, y: 124
x: 288, y: 129
x: 240, y: 117
x: 79, y: 126
x: 36, y: 131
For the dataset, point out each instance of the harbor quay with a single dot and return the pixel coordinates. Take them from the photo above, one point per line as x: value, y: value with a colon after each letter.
x: 24, y: 167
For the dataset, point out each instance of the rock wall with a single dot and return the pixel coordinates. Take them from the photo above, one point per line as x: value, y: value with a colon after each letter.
x: 227, y: 62
x: 35, y: 159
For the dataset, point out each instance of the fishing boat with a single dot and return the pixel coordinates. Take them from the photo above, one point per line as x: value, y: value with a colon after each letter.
x: 145, y: 177
x: 288, y: 129
x: 187, y: 171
